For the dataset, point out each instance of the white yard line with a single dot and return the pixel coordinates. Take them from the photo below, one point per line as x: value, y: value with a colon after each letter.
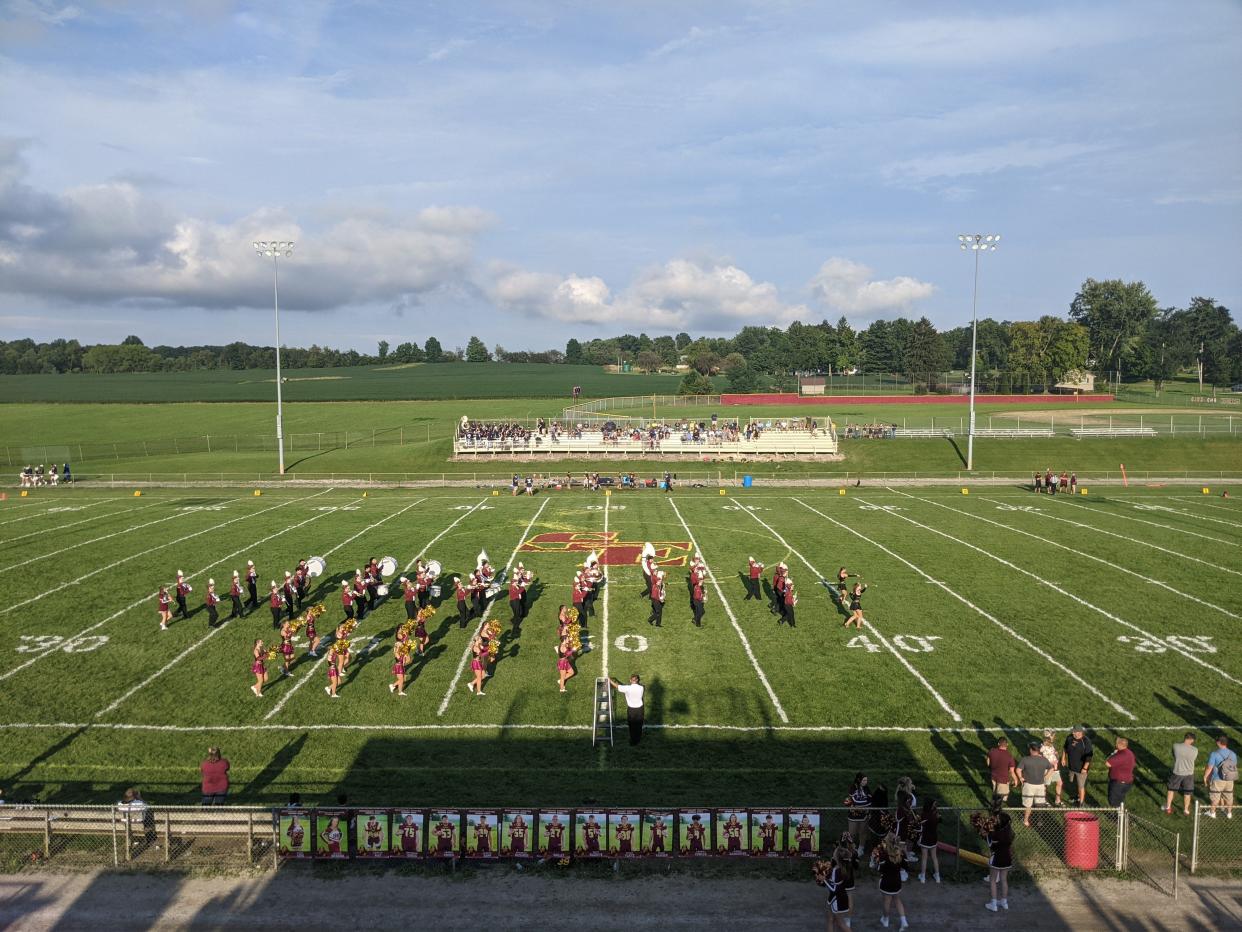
x: 1170, y: 645
x: 95, y: 540
x: 1163, y: 527
x: 1205, y: 504
x: 975, y: 608
x: 1191, y: 514
x: 64, y: 527
x: 1134, y: 540
x: 315, y: 666
x: 940, y: 700
x: 210, y: 634
x: 147, y: 598
x: 1087, y: 556
x: 116, y: 563
x: 414, y: 559
x: 51, y: 509
x: 607, y: 586
x: 465, y: 655
x: 763, y: 678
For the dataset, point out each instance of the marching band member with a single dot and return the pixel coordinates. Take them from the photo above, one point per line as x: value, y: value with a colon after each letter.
x: 463, y: 612
x: 422, y: 586
x: 360, y: 595
x: 235, y: 591
x: 486, y: 572
x: 286, y: 647
x: 164, y: 601
x: 373, y: 579
x: 290, y: 593
x: 258, y: 667
x: 515, y: 601
x: 778, y: 589
x: 478, y: 587
x: 524, y: 578
x: 276, y: 602
x: 211, y: 600
x: 182, y: 590
x: 252, y: 584
x: 347, y: 599
x: 303, y: 582
x: 578, y: 594
x: 658, y: 594
x: 791, y: 599
x: 856, y: 612
x: 478, y: 666
x: 755, y: 574
x: 697, y: 598
x: 410, y: 593
x: 649, y: 565
x: 398, y: 670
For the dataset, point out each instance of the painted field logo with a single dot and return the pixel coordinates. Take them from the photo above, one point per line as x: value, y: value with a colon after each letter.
x: 611, y: 550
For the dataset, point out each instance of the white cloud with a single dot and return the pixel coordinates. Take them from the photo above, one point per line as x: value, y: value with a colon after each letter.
x: 1021, y: 153
x: 846, y: 286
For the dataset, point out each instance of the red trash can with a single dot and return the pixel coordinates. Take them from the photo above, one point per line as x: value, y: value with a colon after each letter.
x: 1082, y: 840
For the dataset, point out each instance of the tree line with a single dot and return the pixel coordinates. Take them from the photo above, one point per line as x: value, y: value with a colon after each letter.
x: 1113, y: 328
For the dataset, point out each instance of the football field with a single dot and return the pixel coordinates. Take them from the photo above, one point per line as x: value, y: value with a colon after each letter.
x: 996, y: 611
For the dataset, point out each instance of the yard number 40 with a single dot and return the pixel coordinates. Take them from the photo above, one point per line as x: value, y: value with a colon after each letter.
x: 911, y: 643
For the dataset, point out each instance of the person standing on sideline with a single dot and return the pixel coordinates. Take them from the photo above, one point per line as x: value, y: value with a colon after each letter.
x: 1120, y: 764
x: 1003, y: 770
x: 215, y: 771
x: 633, y: 693
x: 1032, y: 771
x: 1049, y: 750
x: 1000, y: 844
x: 1182, y: 780
x: 1076, y: 755
x: 1220, y: 774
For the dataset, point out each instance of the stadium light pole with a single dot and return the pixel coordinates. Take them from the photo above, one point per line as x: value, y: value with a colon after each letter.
x: 976, y: 243
x: 273, y: 250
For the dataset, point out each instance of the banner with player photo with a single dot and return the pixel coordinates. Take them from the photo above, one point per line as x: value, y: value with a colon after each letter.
x: 407, y: 833
x: 767, y: 833
x: 694, y: 833
x: 444, y: 828
x: 731, y: 832
x: 624, y: 833
x: 589, y: 829
x: 804, y: 833
x: 481, y: 832
x: 555, y: 829
x: 332, y: 834
x: 296, y: 832
x: 657, y: 834
x: 371, y: 833
x: 517, y: 834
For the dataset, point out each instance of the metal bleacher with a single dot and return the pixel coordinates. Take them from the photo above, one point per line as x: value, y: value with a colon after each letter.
x: 679, y: 445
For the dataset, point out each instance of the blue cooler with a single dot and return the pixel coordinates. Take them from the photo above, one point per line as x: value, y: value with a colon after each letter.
x: 747, y: 482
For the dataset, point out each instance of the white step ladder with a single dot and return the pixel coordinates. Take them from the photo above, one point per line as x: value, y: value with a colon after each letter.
x: 601, y: 729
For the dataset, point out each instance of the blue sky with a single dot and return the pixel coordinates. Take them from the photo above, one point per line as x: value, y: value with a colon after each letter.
x: 529, y: 171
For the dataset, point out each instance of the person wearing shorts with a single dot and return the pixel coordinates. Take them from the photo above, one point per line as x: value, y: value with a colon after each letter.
x: 1001, y: 769
x: 1049, y: 750
x: 1220, y: 774
x: 1032, y: 770
x: 1182, y: 779
x: 1076, y: 756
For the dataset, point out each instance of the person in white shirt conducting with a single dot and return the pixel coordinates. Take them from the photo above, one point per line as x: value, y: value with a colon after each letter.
x: 633, y: 706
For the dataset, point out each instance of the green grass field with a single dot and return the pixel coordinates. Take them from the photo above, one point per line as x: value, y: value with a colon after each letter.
x: 997, y: 610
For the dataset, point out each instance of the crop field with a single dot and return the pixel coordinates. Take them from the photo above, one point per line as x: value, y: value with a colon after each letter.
x: 995, y: 611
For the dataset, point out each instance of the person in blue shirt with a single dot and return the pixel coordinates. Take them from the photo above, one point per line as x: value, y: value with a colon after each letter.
x: 1219, y: 775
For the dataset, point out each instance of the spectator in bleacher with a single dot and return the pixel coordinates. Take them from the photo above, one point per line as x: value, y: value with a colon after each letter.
x: 215, y: 773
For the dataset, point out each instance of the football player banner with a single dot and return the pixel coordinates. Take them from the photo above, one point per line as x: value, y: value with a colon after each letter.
x: 694, y: 833
x: 731, y: 832
x: 444, y: 828
x: 804, y: 833
x: 371, y: 834
x: 481, y: 828
x: 517, y: 831
x: 657, y: 834
x: 331, y: 834
x: 407, y: 834
x: 554, y: 833
x: 589, y: 828
x: 767, y: 833
x: 295, y: 833
x: 623, y: 833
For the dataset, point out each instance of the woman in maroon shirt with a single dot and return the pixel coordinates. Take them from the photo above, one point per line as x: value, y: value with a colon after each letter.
x: 215, y: 770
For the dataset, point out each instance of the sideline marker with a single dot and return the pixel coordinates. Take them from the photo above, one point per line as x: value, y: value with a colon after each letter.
x: 840, y: 491
x: 495, y: 492
x: 1082, y: 491
x: 137, y: 493
x: 965, y: 491
x: 258, y: 492
x: 723, y: 492
x: 607, y: 493
x: 365, y: 494
x: 24, y: 493
x: 1206, y: 490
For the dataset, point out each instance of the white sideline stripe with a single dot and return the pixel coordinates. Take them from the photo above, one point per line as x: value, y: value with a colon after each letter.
x: 1163, y: 527
x: 1135, y: 540
x: 516, y: 726
x: 1052, y: 543
x: 607, y: 586
x: 1081, y: 601
x: 780, y: 710
x: 465, y: 655
x: 971, y: 605
x: 200, y: 642
x: 117, y: 614
x: 48, y: 510
x: 63, y: 527
x: 115, y: 563
x: 315, y: 666
x: 872, y: 628
x: 84, y: 543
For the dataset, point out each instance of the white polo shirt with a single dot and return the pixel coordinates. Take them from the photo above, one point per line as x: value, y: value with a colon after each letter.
x: 633, y: 695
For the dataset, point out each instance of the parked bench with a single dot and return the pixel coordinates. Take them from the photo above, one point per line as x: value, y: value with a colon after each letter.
x: 1113, y: 431
x: 1014, y: 433
x: 921, y: 433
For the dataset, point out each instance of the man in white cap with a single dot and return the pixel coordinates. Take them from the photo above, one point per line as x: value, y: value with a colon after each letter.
x: 657, y: 599
x: 235, y: 594
x: 252, y: 584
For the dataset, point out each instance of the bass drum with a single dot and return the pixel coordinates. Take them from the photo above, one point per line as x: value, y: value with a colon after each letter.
x: 315, y: 566
x: 388, y: 566
x: 433, y: 568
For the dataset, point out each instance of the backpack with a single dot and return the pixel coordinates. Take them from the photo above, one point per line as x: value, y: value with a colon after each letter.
x: 1227, y: 769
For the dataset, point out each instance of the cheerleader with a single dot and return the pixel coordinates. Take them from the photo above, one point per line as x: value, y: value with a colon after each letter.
x: 164, y: 605
x: 286, y: 647
x: 858, y: 801
x: 421, y: 635
x: 887, y: 859
x: 399, y: 653
x: 258, y: 667
x: 562, y: 622
x: 211, y: 600
x: 478, y: 665
x: 843, y: 587
x: 334, y: 676
x: 564, y: 666
x: 341, y: 634
x: 929, y: 826
x: 276, y: 601
x: 312, y: 636
x: 332, y: 836
x: 235, y: 592
x: 833, y: 877
x: 1000, y: 842
x: 856, y: 612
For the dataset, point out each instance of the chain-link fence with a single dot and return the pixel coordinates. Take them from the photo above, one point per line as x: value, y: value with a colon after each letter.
x: 1152, y: 854
x: 1216, y: 841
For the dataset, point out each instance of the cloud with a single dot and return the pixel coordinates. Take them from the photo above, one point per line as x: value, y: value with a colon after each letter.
x: 1021, y: 153
x: 847, y: 286
x: 115, y: 243
x: 695, y: 36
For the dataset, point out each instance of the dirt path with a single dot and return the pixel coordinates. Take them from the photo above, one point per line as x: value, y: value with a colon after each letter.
x: 505, y: 899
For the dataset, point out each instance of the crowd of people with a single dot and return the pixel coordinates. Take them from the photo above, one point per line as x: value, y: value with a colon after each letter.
x: 32, y: 477
x: 711, y: 431
x: 1052, y: 483
x: 873, y: 431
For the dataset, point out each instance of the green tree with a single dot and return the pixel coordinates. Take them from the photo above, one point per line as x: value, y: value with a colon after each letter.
x: 682, y: 340
x: 132, y: 340
x: 1116, y: 315
x: 433, y: 350
x: 695, y: 383
x: 648, y: 361
x: 667, y: 348
x: 476, y: 351
x: 383, y: 350
x: 925, y: 354
x: 573, y: 352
